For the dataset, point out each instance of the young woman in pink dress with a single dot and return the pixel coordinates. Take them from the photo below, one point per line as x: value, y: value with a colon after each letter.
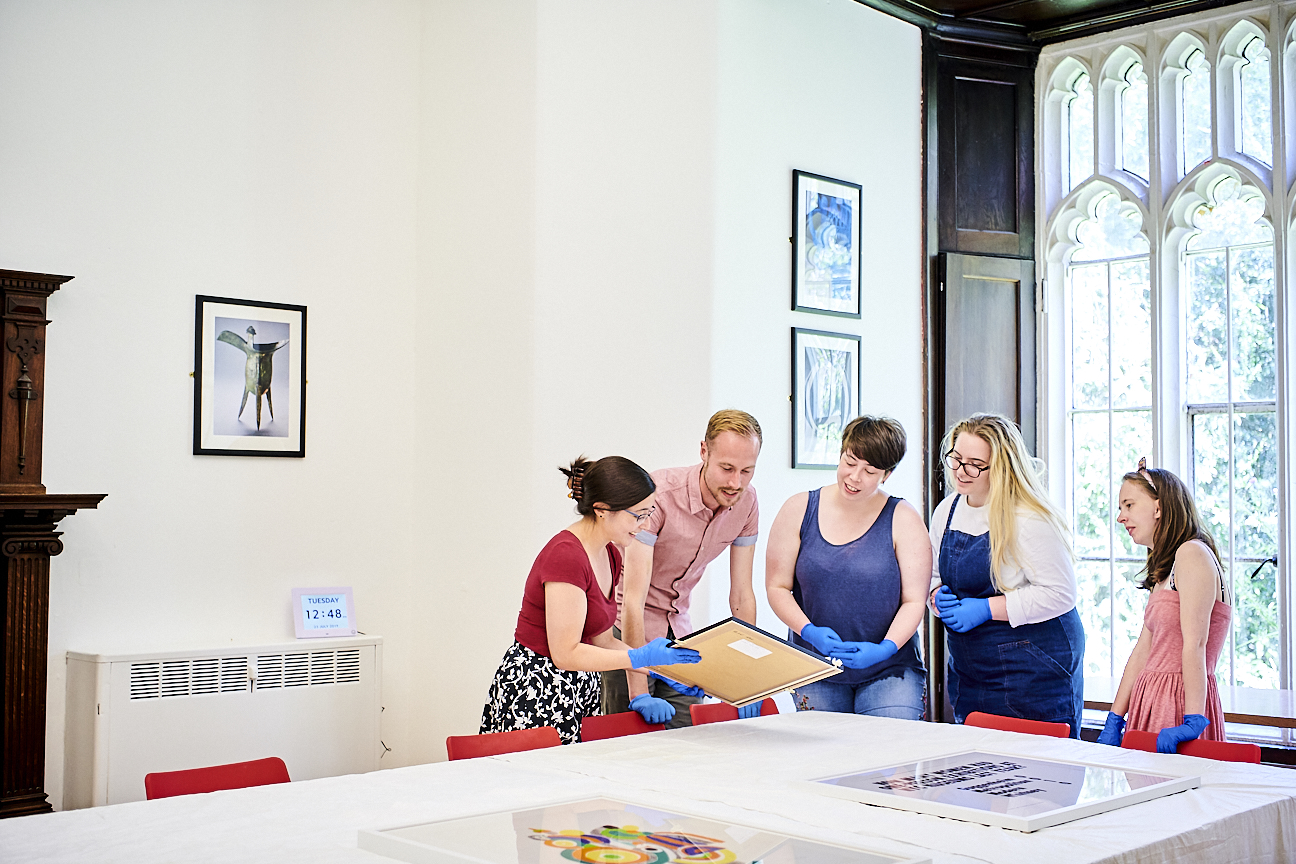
x: 1169, y: 681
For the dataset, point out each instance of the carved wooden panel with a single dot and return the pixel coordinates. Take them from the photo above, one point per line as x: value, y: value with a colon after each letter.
x: 983, y: 110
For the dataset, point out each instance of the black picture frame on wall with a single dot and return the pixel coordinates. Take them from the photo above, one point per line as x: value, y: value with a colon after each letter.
x: 825, y: 394
x: 826, y: 269
x: 249, y: 378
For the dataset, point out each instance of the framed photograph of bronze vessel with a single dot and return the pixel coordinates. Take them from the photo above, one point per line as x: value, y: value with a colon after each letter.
x: 249, y: 378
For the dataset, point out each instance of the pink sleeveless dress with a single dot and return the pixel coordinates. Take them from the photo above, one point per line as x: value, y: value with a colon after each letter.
x: 1158, y: 698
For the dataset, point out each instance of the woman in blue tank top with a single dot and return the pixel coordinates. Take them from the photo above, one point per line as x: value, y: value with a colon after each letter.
x: 847, y: 568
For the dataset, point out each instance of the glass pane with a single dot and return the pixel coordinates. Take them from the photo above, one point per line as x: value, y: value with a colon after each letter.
x: 1130, y: 602
x: 1257, y: 118
x: 1211, y: 475
x: 1089, y: 336
x: 1134, y: 122
x: 1252, y: 297
x: 1255, y: 629
x: 1131, y: 346
x: 1114, y: 231
x: 1080, y: 131
x: 1195, y: 112
x: 1093, y: 579
x: 1255, y: 484
x: 1131, y: 439
x: 1235, y: 219
x: 1206, y: 369
x: 1091, y: 483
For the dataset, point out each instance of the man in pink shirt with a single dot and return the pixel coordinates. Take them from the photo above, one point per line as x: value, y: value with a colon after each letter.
x: 701, y: 511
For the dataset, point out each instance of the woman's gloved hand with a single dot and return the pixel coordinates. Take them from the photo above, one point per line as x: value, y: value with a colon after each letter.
x: 865, y: 654
x: 659, y: 652
x: 749, y: 711
x: 652, y: 709
x: 1113, y: 730
x: 961, y: 615
x: 1169, y: 738
x: 678, y: 687
x: 823, y: 639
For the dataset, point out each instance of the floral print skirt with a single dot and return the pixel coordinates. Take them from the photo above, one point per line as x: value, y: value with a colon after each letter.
x: 529, y: 691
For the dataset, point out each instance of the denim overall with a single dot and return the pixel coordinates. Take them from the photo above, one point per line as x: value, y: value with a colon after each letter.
x: 1032, y: 671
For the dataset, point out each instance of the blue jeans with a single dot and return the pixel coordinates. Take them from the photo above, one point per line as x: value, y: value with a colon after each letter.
x: 898, y: 693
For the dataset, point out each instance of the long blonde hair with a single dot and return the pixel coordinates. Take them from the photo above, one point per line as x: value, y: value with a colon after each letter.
x: 1016, y: 483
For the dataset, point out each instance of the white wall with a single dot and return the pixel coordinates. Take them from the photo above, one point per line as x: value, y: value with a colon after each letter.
x: 259, y: 150
x: 524, y: 230
x: 798, y: 89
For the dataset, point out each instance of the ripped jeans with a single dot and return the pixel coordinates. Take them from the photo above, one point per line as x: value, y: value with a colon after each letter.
x: 898, y: 693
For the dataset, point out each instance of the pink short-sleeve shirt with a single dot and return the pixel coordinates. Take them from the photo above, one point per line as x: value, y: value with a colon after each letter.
x: 686, y: 536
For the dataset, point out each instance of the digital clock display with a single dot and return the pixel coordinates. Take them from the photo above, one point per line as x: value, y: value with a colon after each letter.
x: 323, y: 612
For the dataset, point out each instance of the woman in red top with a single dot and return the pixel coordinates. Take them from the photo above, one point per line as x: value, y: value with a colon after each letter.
x: 549, y: 676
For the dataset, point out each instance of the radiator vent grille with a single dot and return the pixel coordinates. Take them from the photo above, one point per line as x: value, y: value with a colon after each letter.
x: 313, y: 669
x: 164, y: 679
x: 194, y: 677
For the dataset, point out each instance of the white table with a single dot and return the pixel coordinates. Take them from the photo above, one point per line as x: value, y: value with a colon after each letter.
x: 737, y: 771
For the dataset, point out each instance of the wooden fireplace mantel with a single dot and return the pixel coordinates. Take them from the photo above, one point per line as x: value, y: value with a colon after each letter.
x: 28, y: 539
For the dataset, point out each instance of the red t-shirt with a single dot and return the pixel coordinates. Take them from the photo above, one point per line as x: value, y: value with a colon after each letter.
x: 563, y: 559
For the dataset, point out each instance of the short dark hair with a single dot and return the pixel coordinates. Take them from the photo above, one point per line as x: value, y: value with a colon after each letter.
x: 613, y: 480
x: 879, y: 441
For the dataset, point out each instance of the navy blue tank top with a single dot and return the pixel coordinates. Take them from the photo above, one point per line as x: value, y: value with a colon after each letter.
x: 853, y: 588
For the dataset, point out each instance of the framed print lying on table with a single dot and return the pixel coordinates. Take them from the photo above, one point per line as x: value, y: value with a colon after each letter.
x: 604, y: 830
x: 825, y: 245
x: 1003, y: 790
x: 825, y: 394
x: 249, y: 378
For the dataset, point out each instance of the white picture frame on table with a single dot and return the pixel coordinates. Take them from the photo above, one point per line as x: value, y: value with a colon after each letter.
x: 1002, y: 790
x: 558, y: 833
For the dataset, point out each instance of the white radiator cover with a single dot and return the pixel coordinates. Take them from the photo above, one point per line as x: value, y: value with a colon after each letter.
x: 313, y: 703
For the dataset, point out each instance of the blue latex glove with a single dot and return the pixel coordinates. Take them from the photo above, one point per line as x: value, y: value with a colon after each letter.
x: 659, y: 653
x: 945, y: 599
x: 866, y: 654
x: 1113, y: 730
x: 652, y: 709
x: 823, y: 639
x: 962, y: 615
x: 1169, y: 738
x: 678, y: 687
x: 748, y: 711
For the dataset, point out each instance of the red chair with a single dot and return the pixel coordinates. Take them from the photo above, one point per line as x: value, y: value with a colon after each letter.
x: 238, y: 775
x: 1221, y: 751
x: 495, y: 743
x: 616, y: 725
x: 719, y: 712
x: 982, y: 720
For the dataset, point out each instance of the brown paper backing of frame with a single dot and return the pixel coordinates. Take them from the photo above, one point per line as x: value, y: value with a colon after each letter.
x: 737, y: 678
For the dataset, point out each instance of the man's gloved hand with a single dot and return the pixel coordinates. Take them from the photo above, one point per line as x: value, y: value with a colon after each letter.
x: 678, y: 687
x: 652, y: 709
x: 748, y: 711
x: 962, y: 615
x: 822, y: 639
x: 658, y: 652
x: 865, y: 654
x: 1113, y: 730
x: 1169, y: 739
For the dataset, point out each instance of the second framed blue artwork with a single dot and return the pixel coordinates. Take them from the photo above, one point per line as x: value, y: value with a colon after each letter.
x: 825, y: 394
x: 825, y: 245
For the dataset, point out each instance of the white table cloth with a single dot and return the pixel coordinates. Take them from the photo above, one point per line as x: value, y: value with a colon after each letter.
x: 737, y: 771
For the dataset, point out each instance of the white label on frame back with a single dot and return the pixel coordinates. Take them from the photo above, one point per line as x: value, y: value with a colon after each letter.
x: 751, y: 649
x: 319, y: 612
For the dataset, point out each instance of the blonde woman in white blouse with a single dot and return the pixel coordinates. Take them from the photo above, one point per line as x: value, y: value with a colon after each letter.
x: 1004, y: 582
